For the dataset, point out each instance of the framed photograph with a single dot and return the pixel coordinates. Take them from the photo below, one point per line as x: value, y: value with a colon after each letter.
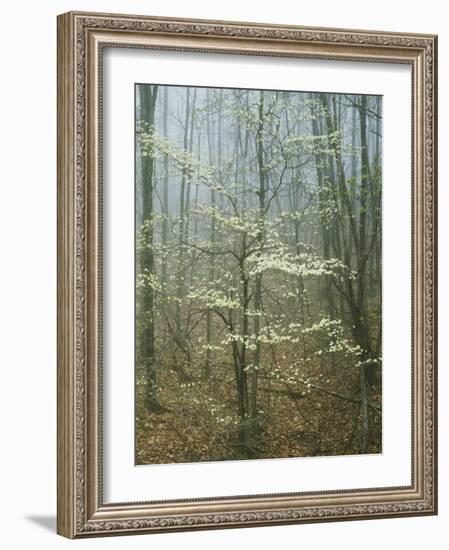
x: 246, y: 274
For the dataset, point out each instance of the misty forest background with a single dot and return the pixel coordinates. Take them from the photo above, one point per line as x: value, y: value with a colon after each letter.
x: 258, y: 274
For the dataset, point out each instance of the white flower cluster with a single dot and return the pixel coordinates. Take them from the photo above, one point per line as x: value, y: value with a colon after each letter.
x: 154, y: 145
x: 213, y: 298
x: 302, y: 265
x: 148, y: 280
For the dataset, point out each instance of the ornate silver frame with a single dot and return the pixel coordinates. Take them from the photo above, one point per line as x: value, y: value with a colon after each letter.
x: 81, y: 37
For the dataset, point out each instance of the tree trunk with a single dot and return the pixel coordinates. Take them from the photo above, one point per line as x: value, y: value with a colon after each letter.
x: 211, y: 276
x: 362, y: 279
x: 260, y: 243
x: 165, y: 212
x: 148, y: 96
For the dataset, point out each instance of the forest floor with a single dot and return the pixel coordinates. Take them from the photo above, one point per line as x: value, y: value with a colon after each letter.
x: 198, y: 421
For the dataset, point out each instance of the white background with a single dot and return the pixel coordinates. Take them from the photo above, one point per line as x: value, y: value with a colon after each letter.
x: 28, y: 273
x: 125, y: 483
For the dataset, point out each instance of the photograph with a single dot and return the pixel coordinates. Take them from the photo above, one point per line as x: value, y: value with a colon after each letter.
x: 258, y: 274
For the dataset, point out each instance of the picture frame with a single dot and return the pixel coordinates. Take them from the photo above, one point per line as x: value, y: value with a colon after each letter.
x: 82, y: 40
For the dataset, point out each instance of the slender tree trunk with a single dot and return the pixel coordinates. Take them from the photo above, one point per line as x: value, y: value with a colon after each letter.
x: 189, y: 182
x: 165, y: 212
x: 324, y: 198
x: 211, y: 275
x: 377, y: 215
x: 148, y: 96
x: 260, y: 242
x: 364, y: 398
x: 183, y: 206
x: 362, y: 279
x: 242, y: 383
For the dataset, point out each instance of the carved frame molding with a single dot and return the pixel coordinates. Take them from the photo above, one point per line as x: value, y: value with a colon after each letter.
x: 81, y: 38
